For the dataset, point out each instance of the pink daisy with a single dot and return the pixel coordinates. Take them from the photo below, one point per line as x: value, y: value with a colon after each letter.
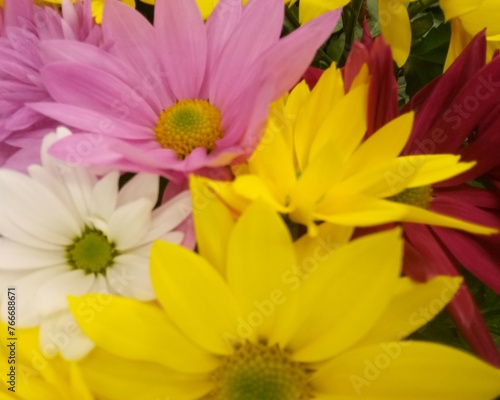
x: 182, y: 96
x: 23, y: 27
x: 448, y: 111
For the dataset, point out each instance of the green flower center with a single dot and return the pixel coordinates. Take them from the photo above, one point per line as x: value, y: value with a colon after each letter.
x: 418, y: 197
x: 259, y: 372
x: 91, y: 252
x: 189, y: 124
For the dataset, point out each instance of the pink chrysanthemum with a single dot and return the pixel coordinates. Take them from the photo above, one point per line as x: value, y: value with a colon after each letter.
x: 182, y: 96
x: 23, y: 27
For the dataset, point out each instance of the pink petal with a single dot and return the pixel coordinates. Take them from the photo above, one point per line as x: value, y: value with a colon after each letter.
x: 98, y: 124
x: 98, y: 90
x: 259, y: 28
x: 182, y: 44
x: 131, y: 36
x: 290, y: 57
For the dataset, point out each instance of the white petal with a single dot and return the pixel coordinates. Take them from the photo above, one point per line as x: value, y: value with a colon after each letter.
x: 79, y: 183
x: 45, y: 178
x: 104, y: 196
x: 10, y: 229
x: 26, y: 289
x: 19, y: 256
x: 51, y: 296
x: 129, y: 224
x: 168, y: 216
x: 60, y: 333
x: 49, y: 162
x: 100, y: 285
x: 141, y: 185
x: 35, y: 209
x: 173, y: 237
x: 130, y: 277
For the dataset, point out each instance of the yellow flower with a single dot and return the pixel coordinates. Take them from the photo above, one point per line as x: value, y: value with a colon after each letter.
x: 468, y: 18
x: 34, y: 376
x: 314, y: 164
x: 98, y: 6
x: 256, y: 316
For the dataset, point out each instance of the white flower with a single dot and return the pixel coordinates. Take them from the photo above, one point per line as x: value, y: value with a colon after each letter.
x: 66, y: 232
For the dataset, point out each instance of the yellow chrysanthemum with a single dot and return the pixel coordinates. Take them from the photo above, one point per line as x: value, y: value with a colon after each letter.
x: 34, y: 376
x: 468, y: 18
x: 98, y: 7
x: 256, y: 316
x: 314, y: 164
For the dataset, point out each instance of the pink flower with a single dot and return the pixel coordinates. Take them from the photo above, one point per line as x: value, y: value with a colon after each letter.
x: 23, y: 27
x: 182, y: 96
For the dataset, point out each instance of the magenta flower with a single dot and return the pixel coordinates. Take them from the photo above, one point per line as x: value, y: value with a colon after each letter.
x: 23, y: 27
x: 454, y: 114
x: 182, y: 96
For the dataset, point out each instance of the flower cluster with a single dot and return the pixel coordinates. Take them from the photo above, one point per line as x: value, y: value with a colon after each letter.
x: 249, y: 200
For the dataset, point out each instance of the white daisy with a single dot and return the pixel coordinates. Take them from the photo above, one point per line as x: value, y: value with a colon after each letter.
x: 66, y: 232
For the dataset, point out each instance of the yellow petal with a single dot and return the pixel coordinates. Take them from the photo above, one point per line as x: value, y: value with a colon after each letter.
x: 458, y: 42
x: 412, y: 306
x: 322, y: 173
x: 358, y: 210
x: 408, y: 370
x: 210, y: 212
x: 137, y: 331
x: 383, y: 146
x: 112, y: 377
x: 395, y: 28
x: 457, y: 8
x: 260, y: 252
x: 328, y: 90
x: 341, y: 302
x: 310, y: 9
x: 254, y: 188
x: 422, y: 216
x: 206, y: 7
x: 194, y: 296
x: 429, y: 169
x: 225, y: 190
x: 273, y: 162
x: 485, y: 16
x: 80, y: 388
x: 329, y: 238
x: 345, y: 124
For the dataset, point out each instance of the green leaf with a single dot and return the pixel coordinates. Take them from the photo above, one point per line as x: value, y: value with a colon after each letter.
x: 427, y: 58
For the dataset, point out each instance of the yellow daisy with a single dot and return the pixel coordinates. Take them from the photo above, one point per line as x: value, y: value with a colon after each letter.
x: 314, y: 164
x: 256, y: 316
x: 29, y: 375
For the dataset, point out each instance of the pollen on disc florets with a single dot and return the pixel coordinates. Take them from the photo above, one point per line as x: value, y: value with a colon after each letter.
x: 258, y: 371
x: 418, y: 197
x: 91, y: 252
x: 189, y: 124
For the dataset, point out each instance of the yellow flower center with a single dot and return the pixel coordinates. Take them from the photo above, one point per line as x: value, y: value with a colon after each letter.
x: 189, y: 124
x: 418, y: 197
x: 257, y: 371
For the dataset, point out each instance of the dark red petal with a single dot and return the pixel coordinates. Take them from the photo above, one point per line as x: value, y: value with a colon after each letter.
x: 479, y: 254
x: 434, y: 260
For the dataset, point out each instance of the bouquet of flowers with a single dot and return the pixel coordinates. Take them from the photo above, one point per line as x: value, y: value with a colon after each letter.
x: 257, y: 200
